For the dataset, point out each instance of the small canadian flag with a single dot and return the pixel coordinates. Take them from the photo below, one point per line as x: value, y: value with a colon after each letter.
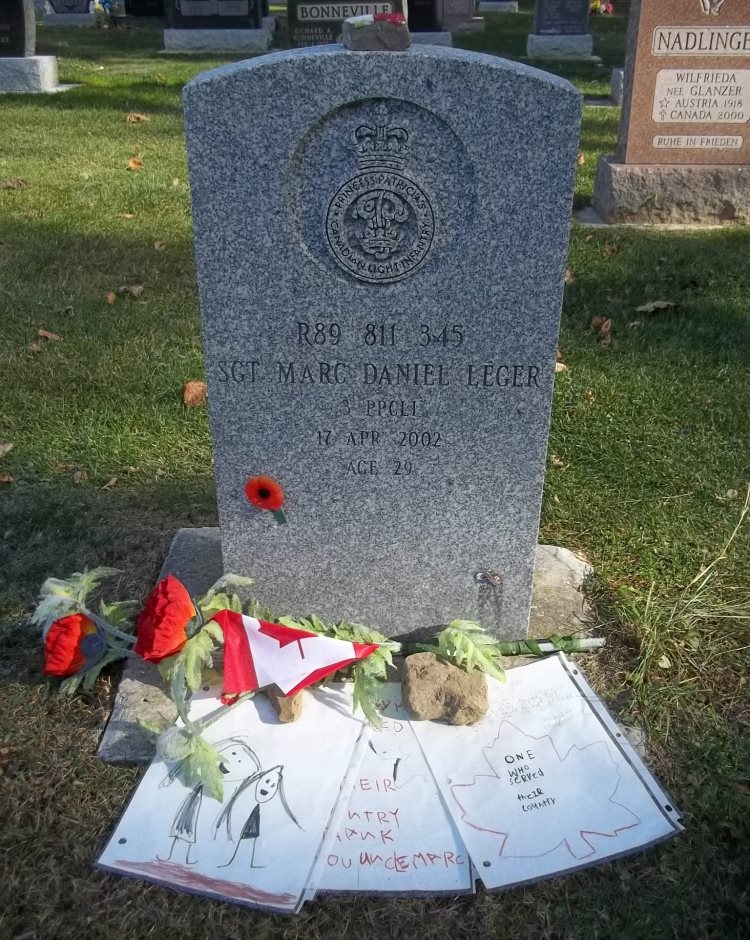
x: 258, y: 654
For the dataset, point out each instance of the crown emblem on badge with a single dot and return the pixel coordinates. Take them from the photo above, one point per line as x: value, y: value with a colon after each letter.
x: 381, y: 145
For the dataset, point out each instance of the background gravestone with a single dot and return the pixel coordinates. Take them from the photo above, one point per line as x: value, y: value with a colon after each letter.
x: 199, y: 26
x: 17, y: 28
x: 70, y: 6
x: 215, y: 14
x: 684, y: 142
x: 380, y: 306
x: 313, y: 23
x: 561, y: 30
x: 22, y: 71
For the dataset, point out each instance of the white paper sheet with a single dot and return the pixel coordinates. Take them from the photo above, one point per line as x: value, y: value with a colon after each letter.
x: 393, y: 834
x: 288, y: 779
x: 545, y: 782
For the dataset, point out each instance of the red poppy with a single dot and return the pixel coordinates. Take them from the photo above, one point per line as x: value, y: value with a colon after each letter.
x: 72, y: 643
x: 396, y: 18
x: 161, y: 628
x: 265, y: 493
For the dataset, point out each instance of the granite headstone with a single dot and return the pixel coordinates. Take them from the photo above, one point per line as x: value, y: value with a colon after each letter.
x: 423, y: 16
x: 314, y: 23
x: 380, y: 300
x: 684, y: 142
x: 561, y: 30
x: 70, y: 6
x: 17, y: 28
x: 214, y: 14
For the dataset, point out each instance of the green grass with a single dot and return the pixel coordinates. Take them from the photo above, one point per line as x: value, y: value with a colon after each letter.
x: 652, y: 433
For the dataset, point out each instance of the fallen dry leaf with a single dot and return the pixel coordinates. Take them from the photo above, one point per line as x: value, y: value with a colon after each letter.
x: 588, y: 238
x: 194, y: 393
x: 602, y: 326
x: 560, y: 367
x: 132, y: 290
x: 556, y: 499
x: 127, y: 215
x: 581, y: 158
x: 135, y: 164
x: 133, y: 469
x: 136, y: 117
x: 80, y: 476
x: 35, y: 347
x: 175, y: 181
x: 556, y: 461
x: 68, y: 312
x: 14, y: 182
x: 590, y: 397
x: 160, y: 246
x: 634, y: 324
x: 568, y: 277
x: 64, y: 467
x: 110, y: 297
x: 45, y: 334
x: 610, y: 250
x: 5, y: 449
x: 653, y: 305
x: 110, y: 483
x: 6, y: 478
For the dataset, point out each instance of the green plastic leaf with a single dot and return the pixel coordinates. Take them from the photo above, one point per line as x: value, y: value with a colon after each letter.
x: 152, y: 729
x: 468, y: 645
x: 70, y: 685
x: 91, y: 675
x: 118, y: 614
x: 366, y: 694
x: 203, y: 766
x: 196, y: 655
x: 534, y: 647
x: 51, y: 608
x: 213, y: 629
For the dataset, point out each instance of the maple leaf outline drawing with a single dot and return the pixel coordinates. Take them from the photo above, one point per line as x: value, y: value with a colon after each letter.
x: 484, y: 803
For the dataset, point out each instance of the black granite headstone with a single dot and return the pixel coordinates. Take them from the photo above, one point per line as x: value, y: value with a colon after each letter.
x: 561, y: 17
x: 215, y: 14
x: 17, y: 28
x: 315, y: 22
x: 70, y: 6
x: 144, y: 7
x: 423, y: 16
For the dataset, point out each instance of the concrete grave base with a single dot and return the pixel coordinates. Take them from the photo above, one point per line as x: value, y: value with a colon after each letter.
x: 658, y: 194
x: 557, y: 606
x: 69, y: 19
x: 561, y: 47
x: 32, y: 74
x: 443, y: 38
x: 475, y: 25
x: 618, y: 84
x: 220, y: 40
x: 496, y: 6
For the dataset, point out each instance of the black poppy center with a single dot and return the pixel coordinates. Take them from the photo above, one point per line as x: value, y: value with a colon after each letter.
x: 264, y: 493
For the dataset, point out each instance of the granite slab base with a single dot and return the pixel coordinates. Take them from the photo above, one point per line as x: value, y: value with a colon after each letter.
x: 577, y: 48
x: 217, y: 40
x: 475, y: 25
x: 36, y: 74
x: 69, y: 19
x: 496, y: 6
x: 557, y: 606
x: 618, y: 85
x: 442, y: 38
x: 658, y: 194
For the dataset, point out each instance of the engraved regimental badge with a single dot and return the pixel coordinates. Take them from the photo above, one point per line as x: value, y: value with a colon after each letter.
x: 380, y: 225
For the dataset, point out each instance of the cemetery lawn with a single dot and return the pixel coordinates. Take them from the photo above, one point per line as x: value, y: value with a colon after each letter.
x: 649, y: 457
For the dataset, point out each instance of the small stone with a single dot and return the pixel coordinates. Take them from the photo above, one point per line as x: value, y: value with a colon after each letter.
x: 287, y: 707
x: 377, y: 36
x: 434, y: 689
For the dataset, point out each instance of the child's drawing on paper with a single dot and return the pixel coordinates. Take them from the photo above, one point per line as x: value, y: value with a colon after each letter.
x: 268, y: 784
x: 238, y: 761
x: 536, y: 801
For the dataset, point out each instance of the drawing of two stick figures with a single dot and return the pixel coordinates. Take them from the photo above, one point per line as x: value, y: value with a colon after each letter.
x: 239, y: 764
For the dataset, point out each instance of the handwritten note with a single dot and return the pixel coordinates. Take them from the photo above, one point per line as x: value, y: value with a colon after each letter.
x: 545, y: 782
x: 393, y: 833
